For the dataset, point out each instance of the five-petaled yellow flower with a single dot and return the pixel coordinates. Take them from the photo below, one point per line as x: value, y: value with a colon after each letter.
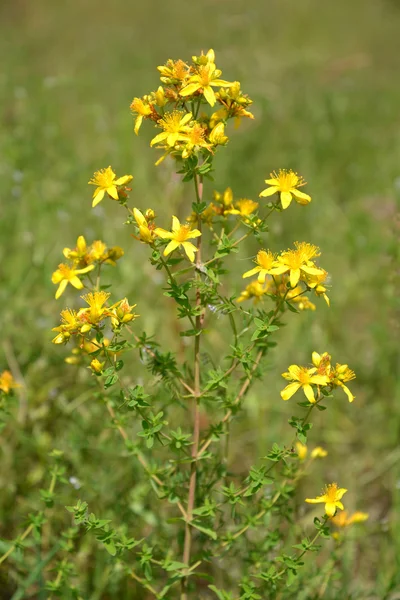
x: 175, y: 126
x: 302, y: 377
x: 266, y: 265
x: 7, y: 382
x: 286, y: 183
x: 65, y: 275
x: 332, y: 498
x: 298, y: 262
x: 106, y: 181
x: 179, y: 236
x: 206, y: 77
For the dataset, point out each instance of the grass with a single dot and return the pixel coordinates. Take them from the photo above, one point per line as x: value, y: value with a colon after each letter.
x: 324, y: 79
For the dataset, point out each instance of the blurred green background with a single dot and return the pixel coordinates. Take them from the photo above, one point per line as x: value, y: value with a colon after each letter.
x: 324, y: 77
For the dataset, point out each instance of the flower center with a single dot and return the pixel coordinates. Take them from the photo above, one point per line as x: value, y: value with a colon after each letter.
x: 265, y: 259
x: 331, y: 491
x: 171, y: 123
x: 287, y: 180
x: 182, y: 234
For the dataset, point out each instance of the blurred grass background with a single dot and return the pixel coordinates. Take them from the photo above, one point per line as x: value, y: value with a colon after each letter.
x: 324, y: 78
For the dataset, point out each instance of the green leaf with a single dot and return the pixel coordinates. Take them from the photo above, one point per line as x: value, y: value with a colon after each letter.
x: 208, y: 532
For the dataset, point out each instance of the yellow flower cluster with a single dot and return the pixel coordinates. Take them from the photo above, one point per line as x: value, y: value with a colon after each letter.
x: 288, y: 275
x: 83, y: 321
x: 176, y: 107
x: 322, y: 373
x: 83, y: 259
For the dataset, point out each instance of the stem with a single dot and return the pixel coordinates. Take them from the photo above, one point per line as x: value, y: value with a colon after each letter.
x: 196, y: 417
x: 12, y: 548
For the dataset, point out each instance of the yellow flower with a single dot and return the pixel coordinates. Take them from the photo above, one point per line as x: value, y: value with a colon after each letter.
x: 97, y: 309
x: 331, y: 497
x: 316, y: 282
x: 65, y: 275
x: 225, y: 200
x: 175, y: 126
x: 246, y: 207
x: 234, y: 104
x: 146, y: 232
x: 106, y: 181
x: 302, y: 378
x: 322, y: 362
x: 298, y: 262
x: 266, y: 265
x: 340, y: 375
x: 286, y: 183
x: 302, y: 450
x: 319, y: 452
x: 179, y: 236
x: 254, y: 290
x: 70, y: 324
x: 195, y: 140
x: 79, y: 253
x: 343, y: 519
x: 206, y: 77
x: 7, y: 382
x: 174, y: 72
x: 121, y: 313
x: 142, y: 109
x: 217, y: 135
x: 96, y: 366
x: 98, y: 251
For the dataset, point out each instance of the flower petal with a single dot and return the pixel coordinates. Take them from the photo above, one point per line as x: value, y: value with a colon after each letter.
x: 209, y: 95
x: 97, y: 196
x: 112, y: 191
x: 76, y: 282
x: 189, y: 89
x: 61, y: 288
x: 269, y: 191
x: 308, y: 392
x: 176, y: 225
x: 301, y: 197
x: 124, y: 179
x: 348, y: 393
x: 294, y: 277
x: 286, y: 198
x: 190, y: 250
x: 173, y: 245
x: 163, y: 233
x: 251, y: 272
x: 194, y: 233
x: 330, y: 508
x: 289, y: 390
x: 161, y: 137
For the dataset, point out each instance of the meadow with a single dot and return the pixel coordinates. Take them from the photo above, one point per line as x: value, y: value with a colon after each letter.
x: 326, y: 91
